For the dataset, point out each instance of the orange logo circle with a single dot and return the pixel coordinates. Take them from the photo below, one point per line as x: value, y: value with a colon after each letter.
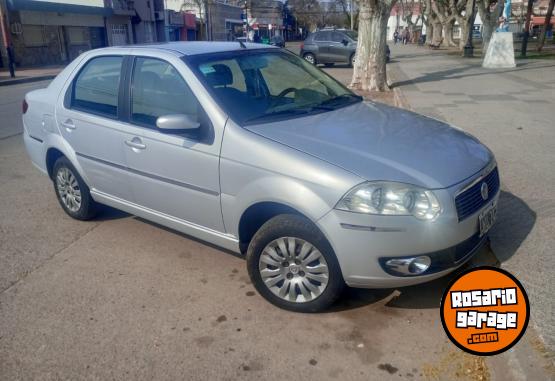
x: 485, y: 311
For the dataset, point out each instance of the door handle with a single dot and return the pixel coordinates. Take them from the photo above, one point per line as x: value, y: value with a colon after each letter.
x: 135, y: 143
x: 68, y: 124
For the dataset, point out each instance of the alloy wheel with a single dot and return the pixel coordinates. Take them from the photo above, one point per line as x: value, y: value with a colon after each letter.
x: 68, y: 189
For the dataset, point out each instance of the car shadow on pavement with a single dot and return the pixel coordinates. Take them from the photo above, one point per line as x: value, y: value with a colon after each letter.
x: 515, y: 220
x: 107, y: 213
x: 189, y: 237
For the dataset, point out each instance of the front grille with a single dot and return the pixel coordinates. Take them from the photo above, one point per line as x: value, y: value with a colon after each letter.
x: 470, y: 201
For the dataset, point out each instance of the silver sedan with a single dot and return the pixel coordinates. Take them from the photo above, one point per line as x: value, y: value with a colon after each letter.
x: 253, y: 149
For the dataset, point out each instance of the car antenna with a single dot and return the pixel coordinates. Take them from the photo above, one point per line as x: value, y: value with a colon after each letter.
x: 242, y: 44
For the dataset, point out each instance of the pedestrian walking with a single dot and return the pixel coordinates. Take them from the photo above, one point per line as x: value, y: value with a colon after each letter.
x: 395, y: 36
x: 406, y: 35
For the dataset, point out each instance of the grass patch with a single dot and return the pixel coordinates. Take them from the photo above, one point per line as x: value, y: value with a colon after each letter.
x: 533, y: 55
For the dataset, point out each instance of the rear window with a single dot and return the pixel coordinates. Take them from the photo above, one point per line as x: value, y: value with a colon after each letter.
x: 96, y: 87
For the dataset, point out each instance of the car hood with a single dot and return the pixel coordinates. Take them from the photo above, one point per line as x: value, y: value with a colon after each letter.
x: 380, y: 142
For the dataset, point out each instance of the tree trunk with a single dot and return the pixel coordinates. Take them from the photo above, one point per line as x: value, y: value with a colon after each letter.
x: 464, y: 34
x: 546, y: 23
x: 438, y: 32
x: 369, y: 72
x: 429, y: 32
x: 466, y: 21
x: 448, y: 33
x: 489, y: 20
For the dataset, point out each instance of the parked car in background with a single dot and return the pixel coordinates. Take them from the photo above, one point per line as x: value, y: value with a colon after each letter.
x: 253, y: 149
x: 331, y: 46
x: 277, y: 41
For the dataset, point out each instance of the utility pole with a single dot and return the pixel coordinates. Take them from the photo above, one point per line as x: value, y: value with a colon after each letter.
x: 6, y: 37
x: 246, y: 23
x: 352, y: 20
x: 469, y: 47
x: 207, y: 17
x: 526, y: 28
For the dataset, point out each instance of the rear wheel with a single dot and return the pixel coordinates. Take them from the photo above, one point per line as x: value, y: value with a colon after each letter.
x: 293, y: 266
x: 72, y: 192
x: 352, y: 60
x: 310, y: 58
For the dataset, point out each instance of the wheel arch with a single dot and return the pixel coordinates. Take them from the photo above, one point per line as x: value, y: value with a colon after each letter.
x: 52, y: 154
x: 58, y: 147
x: 258, y: 214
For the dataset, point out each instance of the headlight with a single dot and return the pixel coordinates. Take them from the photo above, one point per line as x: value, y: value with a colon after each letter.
x: 388, y: 198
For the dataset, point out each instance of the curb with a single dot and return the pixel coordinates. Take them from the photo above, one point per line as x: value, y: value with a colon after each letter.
x: 398, y: 96
x: 16, y: 81
x: 400, y: 99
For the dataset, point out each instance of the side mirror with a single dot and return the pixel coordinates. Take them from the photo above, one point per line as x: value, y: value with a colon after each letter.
x: 345, y: 42
x: 176, y: 122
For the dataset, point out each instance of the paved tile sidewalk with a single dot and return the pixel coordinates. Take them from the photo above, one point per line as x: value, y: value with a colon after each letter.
x: 513, y: 112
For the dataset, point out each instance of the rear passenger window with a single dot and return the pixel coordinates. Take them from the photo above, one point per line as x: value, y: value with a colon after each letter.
x: 158, y: 89
x: 96, y: 87
x: 323, y: 36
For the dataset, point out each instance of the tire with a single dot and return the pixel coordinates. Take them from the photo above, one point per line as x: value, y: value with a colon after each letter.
x: 309, y: 294
x: 73, y: 194
x: 352, y: 60
x: 309, y: 57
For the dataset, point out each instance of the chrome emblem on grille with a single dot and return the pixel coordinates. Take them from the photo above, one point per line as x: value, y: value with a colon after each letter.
x: 484, y: 191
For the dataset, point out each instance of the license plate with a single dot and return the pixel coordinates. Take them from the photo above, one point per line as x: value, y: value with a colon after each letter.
x: 487, y: 218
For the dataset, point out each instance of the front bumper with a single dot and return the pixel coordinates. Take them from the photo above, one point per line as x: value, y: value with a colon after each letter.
x: 364, y: 242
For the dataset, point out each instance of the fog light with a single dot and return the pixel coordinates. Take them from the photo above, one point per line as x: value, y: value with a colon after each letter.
x: 419, y: 265
x: 408, y: 266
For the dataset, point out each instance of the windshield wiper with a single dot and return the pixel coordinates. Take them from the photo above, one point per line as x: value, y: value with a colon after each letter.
x: 340, y: 100
x: 293, y: 111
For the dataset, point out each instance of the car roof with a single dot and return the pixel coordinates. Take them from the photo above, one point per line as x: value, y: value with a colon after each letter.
x: 191, y: 48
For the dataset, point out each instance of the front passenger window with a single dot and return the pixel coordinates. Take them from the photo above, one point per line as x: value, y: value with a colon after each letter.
x: 337, y: 37
x: 158, y: 89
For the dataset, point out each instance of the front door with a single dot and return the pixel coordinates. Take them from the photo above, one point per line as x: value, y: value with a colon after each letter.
x: 87, y: 117
x: 323, y: 40
x: 175, y: 173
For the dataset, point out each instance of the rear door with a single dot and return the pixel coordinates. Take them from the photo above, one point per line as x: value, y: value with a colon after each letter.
x: 88, y: 118
x: 322, y: 40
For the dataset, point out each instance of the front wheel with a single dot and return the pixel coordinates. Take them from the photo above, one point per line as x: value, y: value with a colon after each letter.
x: 293, y: 266
x: 72, y: 192
x: 352, y: 60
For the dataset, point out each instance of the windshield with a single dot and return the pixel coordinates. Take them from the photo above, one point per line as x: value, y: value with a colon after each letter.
x: 260, y: 86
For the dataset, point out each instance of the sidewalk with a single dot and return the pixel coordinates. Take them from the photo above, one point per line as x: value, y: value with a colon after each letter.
x: 24, y: 75
x: 512, y: 112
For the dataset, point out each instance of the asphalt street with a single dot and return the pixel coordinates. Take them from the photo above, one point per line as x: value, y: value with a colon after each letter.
x: 121, y: 298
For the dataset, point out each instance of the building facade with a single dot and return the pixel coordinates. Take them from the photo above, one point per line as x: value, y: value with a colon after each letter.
x: 47, y: 32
